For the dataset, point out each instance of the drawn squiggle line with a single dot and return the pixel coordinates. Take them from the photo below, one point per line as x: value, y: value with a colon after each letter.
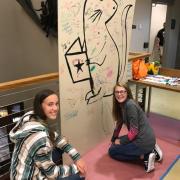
x: 97, y: 14
x: 117, y: 53
x: 125, y: 54
x: 99, y: 51
x: 98, y: 63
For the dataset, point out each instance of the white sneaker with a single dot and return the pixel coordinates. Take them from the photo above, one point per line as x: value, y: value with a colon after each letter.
x: 158, y: 152
x: 149, y: 164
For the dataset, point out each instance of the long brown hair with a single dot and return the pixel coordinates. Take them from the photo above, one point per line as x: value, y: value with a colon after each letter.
x: 116, y: 111
x: 39, y: 114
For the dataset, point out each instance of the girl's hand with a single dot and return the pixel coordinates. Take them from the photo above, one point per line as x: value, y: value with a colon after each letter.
x: 117, y: 141
x: 81, y: 167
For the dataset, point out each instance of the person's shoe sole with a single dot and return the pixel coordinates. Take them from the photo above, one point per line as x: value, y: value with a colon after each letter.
x: 151, y: 161
x: 159, y: 151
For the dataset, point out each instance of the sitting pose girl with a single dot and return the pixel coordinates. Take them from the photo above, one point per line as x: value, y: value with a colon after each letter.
x: 35, y: 142
x: 139, y: 142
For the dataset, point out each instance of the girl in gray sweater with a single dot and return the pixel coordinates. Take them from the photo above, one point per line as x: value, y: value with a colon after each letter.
x: 139, y: 142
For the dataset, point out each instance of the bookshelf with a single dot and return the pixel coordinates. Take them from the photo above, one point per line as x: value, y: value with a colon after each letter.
x: 9, y: 115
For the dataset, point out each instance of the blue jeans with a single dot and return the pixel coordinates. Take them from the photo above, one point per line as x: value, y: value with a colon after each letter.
x: 57, y: 159
x: 127, y: 152
x: 72, y: 177
x: 57, y: 156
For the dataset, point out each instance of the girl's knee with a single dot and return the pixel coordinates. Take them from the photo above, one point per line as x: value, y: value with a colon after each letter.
x: 111, y: 151
x: 115, y: 152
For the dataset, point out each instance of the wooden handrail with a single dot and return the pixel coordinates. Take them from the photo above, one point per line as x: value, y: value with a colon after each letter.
x: 28, y: 81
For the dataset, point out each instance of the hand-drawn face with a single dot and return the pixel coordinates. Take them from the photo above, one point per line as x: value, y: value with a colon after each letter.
x: 96, y: 15
x: 100, y: 10
x: 103, y: 22
x: 50, y: 106
x: 120, y: 94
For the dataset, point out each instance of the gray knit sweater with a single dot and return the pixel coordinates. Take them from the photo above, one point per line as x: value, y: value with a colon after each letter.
x: 139, y: 129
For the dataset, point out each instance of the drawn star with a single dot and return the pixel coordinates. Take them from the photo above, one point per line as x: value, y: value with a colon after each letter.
x: 79, y: 66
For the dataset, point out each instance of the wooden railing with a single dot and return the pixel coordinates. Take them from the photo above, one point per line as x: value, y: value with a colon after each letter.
x: 28, y: 81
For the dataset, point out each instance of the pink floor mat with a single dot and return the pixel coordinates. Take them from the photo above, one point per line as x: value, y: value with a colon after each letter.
x: 101, y: 167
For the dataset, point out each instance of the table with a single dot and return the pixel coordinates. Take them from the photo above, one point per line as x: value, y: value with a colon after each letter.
x: 163, y: 71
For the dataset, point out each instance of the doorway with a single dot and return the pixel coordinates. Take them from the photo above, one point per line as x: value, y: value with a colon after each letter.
x: 158, y: 17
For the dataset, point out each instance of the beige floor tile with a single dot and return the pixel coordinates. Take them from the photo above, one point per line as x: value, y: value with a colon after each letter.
x: 166, y: 103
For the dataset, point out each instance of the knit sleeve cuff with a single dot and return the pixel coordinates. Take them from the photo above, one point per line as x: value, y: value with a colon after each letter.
x: 113, y: 139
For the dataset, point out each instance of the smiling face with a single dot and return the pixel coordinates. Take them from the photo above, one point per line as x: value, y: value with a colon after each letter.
x: 120, y: 94
x: 50, y: 106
